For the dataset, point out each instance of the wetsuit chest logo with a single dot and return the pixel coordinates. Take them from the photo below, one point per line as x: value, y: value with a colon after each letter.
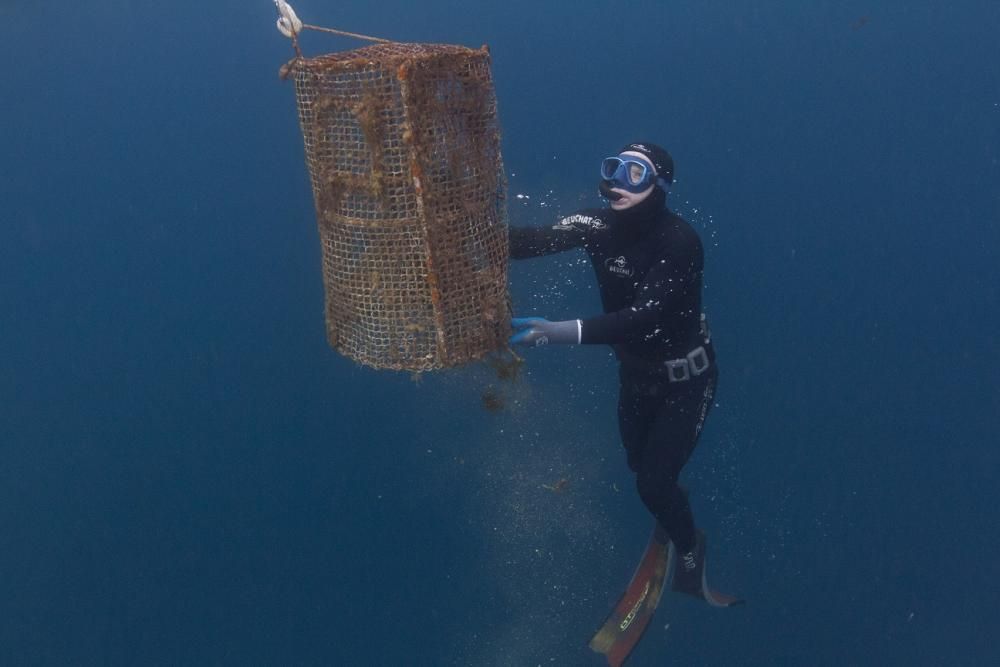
x: 619, y: 266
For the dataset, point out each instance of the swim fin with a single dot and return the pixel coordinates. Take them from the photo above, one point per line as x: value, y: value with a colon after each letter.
x: 627, y: 622
x: 689, y: 577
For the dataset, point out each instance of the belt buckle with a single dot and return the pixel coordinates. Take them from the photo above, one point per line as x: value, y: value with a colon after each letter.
x: 697, y: 360
x: 678, y: 370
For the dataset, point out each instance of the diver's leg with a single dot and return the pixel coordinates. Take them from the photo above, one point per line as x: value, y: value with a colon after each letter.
x: 638, y: 403
x: 671, y: 438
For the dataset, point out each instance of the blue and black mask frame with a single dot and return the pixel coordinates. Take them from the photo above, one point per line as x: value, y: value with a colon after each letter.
x: 631, y: 174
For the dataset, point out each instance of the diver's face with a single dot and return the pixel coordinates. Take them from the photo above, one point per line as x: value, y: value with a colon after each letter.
x: 626, y: 199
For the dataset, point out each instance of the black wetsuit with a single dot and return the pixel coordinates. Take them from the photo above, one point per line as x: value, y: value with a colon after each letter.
x: 648, y: 262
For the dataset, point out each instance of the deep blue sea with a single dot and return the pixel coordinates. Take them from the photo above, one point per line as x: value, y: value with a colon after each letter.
x: 189, y: 475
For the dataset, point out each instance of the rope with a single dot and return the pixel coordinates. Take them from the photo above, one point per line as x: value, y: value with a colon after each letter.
x: 290, y: 26
x: 347, y: 34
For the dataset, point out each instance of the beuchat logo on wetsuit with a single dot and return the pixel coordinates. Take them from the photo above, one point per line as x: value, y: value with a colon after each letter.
x: 580, y: 222
x: 619, y: 266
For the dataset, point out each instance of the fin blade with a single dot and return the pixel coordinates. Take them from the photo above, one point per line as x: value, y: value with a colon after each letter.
x: 717, y: 599
x: 627, y: 622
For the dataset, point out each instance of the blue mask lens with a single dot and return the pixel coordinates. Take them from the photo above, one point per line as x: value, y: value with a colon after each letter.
x: 629, y: 173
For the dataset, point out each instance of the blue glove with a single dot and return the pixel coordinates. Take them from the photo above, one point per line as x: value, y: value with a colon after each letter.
x: 535, y: 331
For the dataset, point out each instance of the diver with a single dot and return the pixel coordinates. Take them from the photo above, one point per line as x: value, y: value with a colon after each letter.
x: 648, y: 262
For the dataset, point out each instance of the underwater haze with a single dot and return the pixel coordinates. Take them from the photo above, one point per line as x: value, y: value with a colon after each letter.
x: 189, y: 475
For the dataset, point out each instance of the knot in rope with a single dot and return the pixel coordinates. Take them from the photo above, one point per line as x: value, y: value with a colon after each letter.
x: 289, y: 24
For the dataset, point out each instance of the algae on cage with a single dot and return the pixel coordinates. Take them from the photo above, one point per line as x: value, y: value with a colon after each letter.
x: 402, y: 143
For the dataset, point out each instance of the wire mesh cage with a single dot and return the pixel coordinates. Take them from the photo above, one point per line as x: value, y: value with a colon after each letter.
x: 402, y: 143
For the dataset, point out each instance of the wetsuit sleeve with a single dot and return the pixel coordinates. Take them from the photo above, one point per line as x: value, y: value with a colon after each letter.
x: 526, y: 242
x: 661, y: 295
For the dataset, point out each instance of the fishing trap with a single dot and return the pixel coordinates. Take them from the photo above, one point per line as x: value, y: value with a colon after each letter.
x: 402, y: 144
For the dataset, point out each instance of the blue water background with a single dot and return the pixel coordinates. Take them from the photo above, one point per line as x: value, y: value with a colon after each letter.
x: 188, y: 475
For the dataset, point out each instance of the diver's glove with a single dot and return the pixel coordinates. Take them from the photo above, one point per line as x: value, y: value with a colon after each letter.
x: 535, y: 331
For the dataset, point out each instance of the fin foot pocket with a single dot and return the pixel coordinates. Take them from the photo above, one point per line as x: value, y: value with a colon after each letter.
x: 690, y: 577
